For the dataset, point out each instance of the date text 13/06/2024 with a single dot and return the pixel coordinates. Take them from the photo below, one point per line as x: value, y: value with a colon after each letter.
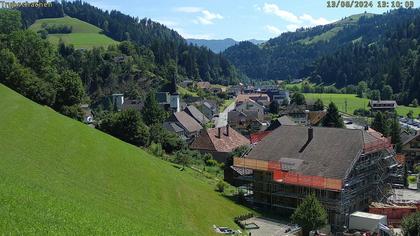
x: 369, y: 4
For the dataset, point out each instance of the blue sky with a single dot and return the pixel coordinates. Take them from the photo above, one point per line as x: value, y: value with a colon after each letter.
x: 237, y: 19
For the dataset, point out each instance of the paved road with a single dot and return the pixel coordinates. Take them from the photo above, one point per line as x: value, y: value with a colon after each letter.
x: 223, y: 116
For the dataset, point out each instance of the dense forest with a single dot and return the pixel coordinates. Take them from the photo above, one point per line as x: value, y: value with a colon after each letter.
x: 392, y: 61
x: 165, y: 45
x: 379, y: 49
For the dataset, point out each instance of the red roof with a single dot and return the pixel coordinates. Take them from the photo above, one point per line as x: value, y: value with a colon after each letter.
x: 209, y: 140
x: 257, y: 137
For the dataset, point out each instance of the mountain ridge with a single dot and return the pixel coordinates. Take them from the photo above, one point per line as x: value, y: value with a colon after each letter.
x: 219, y: 45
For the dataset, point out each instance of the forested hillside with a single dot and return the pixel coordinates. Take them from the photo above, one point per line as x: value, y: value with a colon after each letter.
x: 379, y: 49
x: 166, y: 45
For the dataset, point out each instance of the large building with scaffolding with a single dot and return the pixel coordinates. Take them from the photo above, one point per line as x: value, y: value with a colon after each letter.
x: 346, y: 169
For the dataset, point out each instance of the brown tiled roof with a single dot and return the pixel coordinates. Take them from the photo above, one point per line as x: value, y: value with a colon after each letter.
x: 256, y: 96
x: 203, y: 85
x: 315, y: 117
x: 330, y: 153
x: 186, y: 121
x: 210, y: 141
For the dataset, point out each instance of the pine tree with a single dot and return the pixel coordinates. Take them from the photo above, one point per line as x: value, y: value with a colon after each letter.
x: 380, y: 124
x: 333, y: 117
x: 152, y: 113
x: 318, y: 105
x: 395, y: 134
x: 310, y: 214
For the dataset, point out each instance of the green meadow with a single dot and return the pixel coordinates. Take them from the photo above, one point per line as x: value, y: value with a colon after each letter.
x: 59, y: 176
x: 84, y: 35
x: 353, y: 102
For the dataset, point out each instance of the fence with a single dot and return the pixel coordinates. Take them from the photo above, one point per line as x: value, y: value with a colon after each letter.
x: 289, y: 177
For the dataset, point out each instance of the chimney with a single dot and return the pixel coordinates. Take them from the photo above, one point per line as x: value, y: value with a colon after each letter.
x: 219, y: 132
x: 310, y: 137
x: 310, y: 134
x: 227, y: 130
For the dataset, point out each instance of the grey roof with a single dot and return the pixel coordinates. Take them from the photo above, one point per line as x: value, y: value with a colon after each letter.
x: 408, y: 135
x: 382, y: 103
x: 186, y: 121
x: 173, y: 127
x: 286, y: 120
x: 196, y: 114
x: 329, y: 154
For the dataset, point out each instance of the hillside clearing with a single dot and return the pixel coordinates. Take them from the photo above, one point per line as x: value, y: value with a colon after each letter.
x: 59, y: 177
x: 84, y: 35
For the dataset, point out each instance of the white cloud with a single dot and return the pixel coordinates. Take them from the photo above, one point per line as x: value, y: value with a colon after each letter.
x: 208, y: 17
x: 188, y: 9
x: 273, y: 29
x: 205, y: 18
x: 295, y: 21
x: 285, y: 15
x: 312, y: 21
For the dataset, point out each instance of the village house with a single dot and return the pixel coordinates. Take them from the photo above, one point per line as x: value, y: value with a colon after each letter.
x: 346, y: 170
x: 283, y: 120
x: 169, y: 101
x: 244, y: 122
x: 133, y: 104
x: 118, y: 100
x: 208, y: 107
x: 382, y: 105
x: 219, y: 142
x: 262, y: 99
x: 298, y: 113
x: 196, y: 114
x: 411, y: 148
x: 181, y: 119
x: 234, y: 91
x: 280, y: 96
x: 249, y: 106
x: 187, y: 83
x: 203, y: 85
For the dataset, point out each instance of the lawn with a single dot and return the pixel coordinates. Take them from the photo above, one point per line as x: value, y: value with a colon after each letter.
x: 353, y: 102
x: 58, y: 176
x: 84, y: 35
x: 225, y: 104
x: 183, y: 91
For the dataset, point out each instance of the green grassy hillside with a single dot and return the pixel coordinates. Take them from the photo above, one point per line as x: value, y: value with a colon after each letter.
x: 58, y: 176
x: 354, y: 102
x: 84, y: 35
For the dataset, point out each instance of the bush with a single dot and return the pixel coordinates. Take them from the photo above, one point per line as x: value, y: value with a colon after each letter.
x: 417, y: 169
x: 220, y: 186
x: 412, y: 179
x: 361, y: 112
x: 156, y: 149
x: 57, y: 28
x: 211, y: 162
x: 411, y: 224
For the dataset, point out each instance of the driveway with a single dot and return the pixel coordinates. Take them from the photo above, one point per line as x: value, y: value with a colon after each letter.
x: 268, y: 227
x: 222, y: 121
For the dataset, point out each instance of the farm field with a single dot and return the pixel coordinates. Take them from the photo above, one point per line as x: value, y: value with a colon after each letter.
x: 59, y: 176
x: 353, y: 102
x: 84, y: 35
